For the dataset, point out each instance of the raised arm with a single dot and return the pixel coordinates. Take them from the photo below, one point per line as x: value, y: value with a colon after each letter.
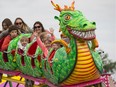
x: 42, y: 46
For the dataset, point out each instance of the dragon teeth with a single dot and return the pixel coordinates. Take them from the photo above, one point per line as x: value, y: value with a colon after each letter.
x: 86, y: 35
x: 74, y: 31
x: 83, y: 33
x: 79, y: 33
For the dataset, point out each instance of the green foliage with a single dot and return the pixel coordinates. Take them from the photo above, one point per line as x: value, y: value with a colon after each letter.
x: 108, y: 65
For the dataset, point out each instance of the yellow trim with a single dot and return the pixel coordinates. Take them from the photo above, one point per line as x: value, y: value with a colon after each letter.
x: 84, y: 54
x: 83, y: 73
x: 83, y: 47
x: 69, y: 81
x: 85, y: 69
x: 83, y: 50
x: 85, y: 62
x: 84, y: 66
x: 82, y: 79
x: 17, y: 80
x: 83, y: 58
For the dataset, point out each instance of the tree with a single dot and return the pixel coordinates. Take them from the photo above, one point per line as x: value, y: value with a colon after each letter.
x: 108, y: 65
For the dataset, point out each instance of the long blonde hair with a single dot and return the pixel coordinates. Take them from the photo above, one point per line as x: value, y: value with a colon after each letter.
x: 25, y: 27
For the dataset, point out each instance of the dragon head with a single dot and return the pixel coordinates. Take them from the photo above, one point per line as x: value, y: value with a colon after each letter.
x: 74, y: 24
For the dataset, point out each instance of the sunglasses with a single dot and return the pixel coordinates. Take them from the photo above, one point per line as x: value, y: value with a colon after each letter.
x: 37, y: 27
x: 19, y: 23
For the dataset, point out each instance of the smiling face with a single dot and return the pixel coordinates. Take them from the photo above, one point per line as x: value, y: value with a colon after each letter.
x: 24, y: 41
x: 74, y: 24
x: 37, y: 28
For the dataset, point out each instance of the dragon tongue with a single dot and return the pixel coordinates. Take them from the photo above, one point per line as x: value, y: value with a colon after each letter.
x: 68, y: 28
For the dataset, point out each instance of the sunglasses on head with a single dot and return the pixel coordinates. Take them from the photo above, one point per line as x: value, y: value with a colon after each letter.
x: 37, y: 27
x: 19, y: 23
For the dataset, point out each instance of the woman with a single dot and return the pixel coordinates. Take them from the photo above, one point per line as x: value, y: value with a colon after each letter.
x: 38, y: 29
x: 6, y: 23
x: 24, y: 28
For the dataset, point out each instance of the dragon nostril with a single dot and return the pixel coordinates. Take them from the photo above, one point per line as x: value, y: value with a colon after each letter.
x: 93, y: 23
x: 84, y: 25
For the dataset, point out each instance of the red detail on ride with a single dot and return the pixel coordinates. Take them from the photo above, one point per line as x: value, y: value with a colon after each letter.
x: 51, y: 55
x: 32, y: 63
x: 32, y: 49
x: 1, y: 42
x: 31, y: 52
x: 39, y: 58
x: 5, y: 57
x: 22, y: 60
x: 20, y: 51
x: 13, y: 53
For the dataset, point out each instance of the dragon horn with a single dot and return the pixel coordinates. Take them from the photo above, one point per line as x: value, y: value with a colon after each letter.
x: 57, y: 7
x: 72, y: 5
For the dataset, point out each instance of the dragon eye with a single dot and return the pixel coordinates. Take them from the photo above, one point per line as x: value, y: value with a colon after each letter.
x: 67, y: 17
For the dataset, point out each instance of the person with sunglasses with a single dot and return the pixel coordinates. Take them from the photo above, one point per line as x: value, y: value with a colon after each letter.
x: 24, y: 28
x: 38, y: 29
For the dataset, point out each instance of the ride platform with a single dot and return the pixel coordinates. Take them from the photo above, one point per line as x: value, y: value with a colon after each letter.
x: 16, y: 78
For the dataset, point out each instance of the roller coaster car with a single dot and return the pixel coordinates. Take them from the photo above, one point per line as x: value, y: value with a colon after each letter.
x: 6, y: 57
x: 28, y: 61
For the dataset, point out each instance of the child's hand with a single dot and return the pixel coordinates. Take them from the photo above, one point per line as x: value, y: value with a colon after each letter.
x: 51, y: 30
x: 35, y: 34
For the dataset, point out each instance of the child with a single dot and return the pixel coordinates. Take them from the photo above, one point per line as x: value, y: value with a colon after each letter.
x: 44, y: 42
x: 65, y: 38
x: 56, y: 45
x: 23, y: 42
x: 37, y: 32
x: 13, y: 32
x: 22, y: 47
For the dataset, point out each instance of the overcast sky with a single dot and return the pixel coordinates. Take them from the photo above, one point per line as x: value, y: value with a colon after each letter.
x: 103, y: 12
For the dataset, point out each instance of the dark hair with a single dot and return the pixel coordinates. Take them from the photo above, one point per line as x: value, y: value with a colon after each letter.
x: 38, y: 22
x: 7, y: 21
x: 13, y: 27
